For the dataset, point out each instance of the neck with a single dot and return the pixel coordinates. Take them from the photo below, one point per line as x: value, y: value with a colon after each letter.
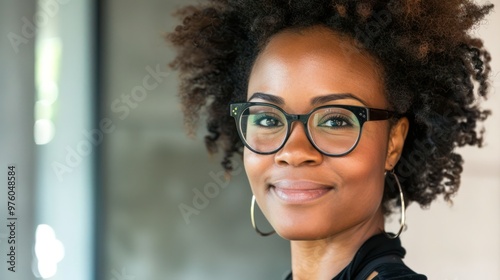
x: 325, y: 258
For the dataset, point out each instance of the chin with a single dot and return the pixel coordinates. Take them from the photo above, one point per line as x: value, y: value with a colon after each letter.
x: 302, y: 231
x: 301, y: 234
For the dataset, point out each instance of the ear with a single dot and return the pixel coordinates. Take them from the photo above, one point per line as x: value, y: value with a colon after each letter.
x: 396, y: 142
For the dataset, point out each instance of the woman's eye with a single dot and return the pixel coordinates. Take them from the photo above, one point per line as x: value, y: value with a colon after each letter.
x: 267, y: 121
x: 336, y: 122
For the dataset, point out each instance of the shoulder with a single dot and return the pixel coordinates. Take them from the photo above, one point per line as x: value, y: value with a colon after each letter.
x: 397, y: 271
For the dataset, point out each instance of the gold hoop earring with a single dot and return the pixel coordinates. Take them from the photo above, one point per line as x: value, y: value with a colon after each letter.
x: 252, y: 207
x: 403, y: 208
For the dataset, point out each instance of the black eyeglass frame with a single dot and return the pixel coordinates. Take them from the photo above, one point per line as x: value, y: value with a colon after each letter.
x: 363, y: 114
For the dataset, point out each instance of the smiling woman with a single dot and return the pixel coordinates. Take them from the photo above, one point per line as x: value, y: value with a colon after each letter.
x: 315, y: 200
x: 327, y: 98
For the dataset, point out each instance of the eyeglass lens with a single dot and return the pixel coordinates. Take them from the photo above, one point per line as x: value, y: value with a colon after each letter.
x: 332, y: 130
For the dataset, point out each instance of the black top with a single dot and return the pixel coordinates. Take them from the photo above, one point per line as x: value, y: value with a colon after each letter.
x: 374, y: 248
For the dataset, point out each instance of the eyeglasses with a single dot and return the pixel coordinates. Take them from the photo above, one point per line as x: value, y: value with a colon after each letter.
x: 334, y: 130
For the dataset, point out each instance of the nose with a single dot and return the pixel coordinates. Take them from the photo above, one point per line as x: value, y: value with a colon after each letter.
x: 298, y: 150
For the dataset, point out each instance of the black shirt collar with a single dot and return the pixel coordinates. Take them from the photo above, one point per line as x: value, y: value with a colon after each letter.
x: 376, y: 246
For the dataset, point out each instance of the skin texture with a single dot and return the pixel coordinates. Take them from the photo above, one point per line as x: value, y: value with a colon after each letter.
x: 298, y: 66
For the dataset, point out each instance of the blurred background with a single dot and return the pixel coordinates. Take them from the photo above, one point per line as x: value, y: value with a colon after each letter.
x: 109, y: 186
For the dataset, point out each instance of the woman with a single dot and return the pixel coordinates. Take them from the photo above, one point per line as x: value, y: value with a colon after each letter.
x: 343, y: 111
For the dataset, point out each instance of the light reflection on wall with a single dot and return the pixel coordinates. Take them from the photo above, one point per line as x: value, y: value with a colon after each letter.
x: 48, y: 56
x: 49, y: 251
x: 63, y: 109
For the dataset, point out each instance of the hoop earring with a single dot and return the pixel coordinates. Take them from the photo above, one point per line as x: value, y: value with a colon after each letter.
x: 403, y: 208
x: 252, y: 207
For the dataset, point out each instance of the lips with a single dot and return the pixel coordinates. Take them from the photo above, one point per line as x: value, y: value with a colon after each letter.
x: 299, y: 191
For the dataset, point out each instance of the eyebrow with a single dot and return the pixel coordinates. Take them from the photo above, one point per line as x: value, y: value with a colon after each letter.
x: 268, y: 97
x: 315, y: 101
x: 335, y: 96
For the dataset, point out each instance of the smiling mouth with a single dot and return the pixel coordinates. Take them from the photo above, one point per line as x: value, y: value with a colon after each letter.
x: 297, y: 195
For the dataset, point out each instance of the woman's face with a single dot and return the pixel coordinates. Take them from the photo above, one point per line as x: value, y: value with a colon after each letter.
x: 304, y: 194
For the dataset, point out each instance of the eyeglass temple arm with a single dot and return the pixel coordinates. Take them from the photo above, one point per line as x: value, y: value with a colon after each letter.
x: 379, y: 114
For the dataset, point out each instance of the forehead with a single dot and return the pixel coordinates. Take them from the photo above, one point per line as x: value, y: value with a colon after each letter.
x: 302, y: 64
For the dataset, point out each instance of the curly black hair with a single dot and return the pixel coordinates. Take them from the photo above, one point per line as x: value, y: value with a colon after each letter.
x: 435, y: 73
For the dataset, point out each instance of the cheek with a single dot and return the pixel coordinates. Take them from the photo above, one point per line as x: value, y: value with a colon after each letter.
x: 255, y: 166
x: 372, y: 147
x: 363, y: 169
